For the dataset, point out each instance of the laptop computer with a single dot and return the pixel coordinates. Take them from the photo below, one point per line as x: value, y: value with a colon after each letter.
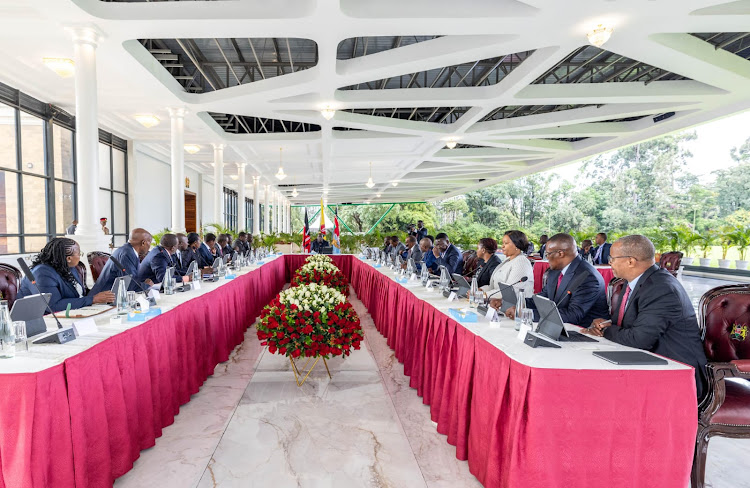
x: 31, y: 309
x: 551, y: 323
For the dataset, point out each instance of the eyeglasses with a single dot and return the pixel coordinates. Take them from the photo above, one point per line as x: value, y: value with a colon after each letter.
x: 612, y: 258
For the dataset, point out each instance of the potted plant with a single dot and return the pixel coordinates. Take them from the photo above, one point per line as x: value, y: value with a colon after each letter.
x: 690, y: 241
x: 725, y: 241
x: 707, y: 241
x: 741, y: 238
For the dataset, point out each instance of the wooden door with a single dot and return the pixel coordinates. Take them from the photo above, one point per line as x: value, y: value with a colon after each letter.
x: 191, y: 214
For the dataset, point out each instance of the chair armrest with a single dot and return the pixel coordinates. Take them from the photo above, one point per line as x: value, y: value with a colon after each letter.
x: 715, y: 372
x: 743, y: 366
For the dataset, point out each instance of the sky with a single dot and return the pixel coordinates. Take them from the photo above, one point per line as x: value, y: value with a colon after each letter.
x: 710, y: 149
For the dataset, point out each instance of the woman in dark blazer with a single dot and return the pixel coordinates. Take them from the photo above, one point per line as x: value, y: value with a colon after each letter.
x: 55, y: 272
x: 486, y: 249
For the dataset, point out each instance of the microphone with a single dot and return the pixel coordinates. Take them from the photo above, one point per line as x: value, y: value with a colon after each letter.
x: 121, y: 268
x: 62, y: 335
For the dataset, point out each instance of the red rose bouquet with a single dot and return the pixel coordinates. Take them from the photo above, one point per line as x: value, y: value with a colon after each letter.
x: 310, y: 321
x: 321, y: 273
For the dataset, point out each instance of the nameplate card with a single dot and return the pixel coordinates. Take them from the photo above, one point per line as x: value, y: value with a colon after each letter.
x: 522, y: 332
x: 196, y: 285
x: 491, y: 314
x: 413, y: 277
x: 85, y: 327
x: 452, y: 296
x: 154, y: 294
x: 143, y: 303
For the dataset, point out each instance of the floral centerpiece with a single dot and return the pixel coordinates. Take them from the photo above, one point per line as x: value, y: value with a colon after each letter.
x: 322, y: 273
x: 319, y: 258
x: 311, y: 321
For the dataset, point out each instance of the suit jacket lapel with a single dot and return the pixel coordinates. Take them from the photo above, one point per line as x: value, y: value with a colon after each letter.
x: 634, y: 294
x: 566, y: 278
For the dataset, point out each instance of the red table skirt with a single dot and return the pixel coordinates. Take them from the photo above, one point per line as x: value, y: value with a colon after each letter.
x: 123, y: 391
x: 540, y: 267
x: 522, y: 426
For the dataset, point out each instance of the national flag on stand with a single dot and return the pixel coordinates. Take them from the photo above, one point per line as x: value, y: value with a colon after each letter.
x: 306, y: 234
x: 322, y: 219
x: 336, y: 234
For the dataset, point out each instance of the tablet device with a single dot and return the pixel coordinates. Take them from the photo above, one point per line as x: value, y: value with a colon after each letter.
x: 509, y: 296
x: 551, y: 323
x: 125, y: 279
x: 31, y: 309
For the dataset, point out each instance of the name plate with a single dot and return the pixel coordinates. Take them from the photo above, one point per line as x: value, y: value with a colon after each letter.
x: 154, y: 294
x: 452, y: 296
x: 491, y: 314
x: 196, y: 285
x: 85, y: 327
x: 413, y: 277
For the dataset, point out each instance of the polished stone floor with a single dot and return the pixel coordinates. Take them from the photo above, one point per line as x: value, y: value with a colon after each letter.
x: 251, y: 426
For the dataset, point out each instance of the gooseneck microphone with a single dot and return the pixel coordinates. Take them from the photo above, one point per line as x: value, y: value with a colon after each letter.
x: 63, y: 334
x: 122, y: 269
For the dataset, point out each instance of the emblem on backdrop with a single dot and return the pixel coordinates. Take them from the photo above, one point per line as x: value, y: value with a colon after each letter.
x: 187, y: 182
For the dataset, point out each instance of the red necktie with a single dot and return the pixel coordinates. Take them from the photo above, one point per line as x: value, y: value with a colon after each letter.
x: 622, y: 305
x: 559, y: 280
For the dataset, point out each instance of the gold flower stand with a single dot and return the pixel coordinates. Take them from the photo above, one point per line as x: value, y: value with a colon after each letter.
x: 298, y: 372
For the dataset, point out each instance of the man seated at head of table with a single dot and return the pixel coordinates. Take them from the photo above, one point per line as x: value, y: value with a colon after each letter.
x: 486, y: 249
x: 130, y: 256
x: 207, y: 251
x: 55, y: 272
x: 319, y: 244
x: 156, y: 262
x: 448, y: 255
x: 653, y: 312
x: 573, y: 284
x: 515, y: 267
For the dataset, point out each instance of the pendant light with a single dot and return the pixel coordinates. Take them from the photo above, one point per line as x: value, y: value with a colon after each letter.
x: 370, y: 183
x: 280, y: 173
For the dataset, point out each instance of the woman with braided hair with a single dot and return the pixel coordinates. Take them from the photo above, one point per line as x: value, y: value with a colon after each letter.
x: 55, y: 272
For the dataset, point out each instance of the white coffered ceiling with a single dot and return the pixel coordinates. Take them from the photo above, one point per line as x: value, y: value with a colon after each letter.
x: 514, y: 83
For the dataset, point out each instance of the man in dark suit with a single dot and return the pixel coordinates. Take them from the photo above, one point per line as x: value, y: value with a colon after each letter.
x: 129, y: 256
x: 387, y: 245
x: 190, y: 254
x: 318, y: 244
x: 155, y: 264
x: 240, y: 244
x: 428, y: 258
x: 178, y: 256
x: 421, y: 231
x: 653, y: 312
x: 412, y: 251
x: 602, y: 249
x: 207, y: 251
x: 226, y: 249
x: 447, y: 254
x: 397, y: 248
x: 573, y: 284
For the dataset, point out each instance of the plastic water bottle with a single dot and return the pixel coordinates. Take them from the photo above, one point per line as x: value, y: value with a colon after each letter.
x: 520, y: 305
x: 7, y: 332
x: 121, y: 298
x: 473, y: 292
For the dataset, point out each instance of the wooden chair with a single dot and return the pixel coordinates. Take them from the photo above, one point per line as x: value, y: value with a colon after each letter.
x: 10, y: 282
x: 671, y: 261
x: 724, y: 319
x: 97, y: 260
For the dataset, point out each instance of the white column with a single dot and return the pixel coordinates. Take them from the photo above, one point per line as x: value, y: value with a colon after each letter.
x: 282, y: 219
x: 85, y: 41
x: 178, y: 168
x: 241, y: 216
x: 256, y: 205
x: 289, y: 217
x: 276, y: 213
x: 267, y: 211
x: 218, y: 184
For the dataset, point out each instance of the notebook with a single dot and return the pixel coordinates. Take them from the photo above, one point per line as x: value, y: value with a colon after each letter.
x: 630, y: 358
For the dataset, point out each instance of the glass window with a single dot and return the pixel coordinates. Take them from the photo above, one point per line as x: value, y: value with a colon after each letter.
x: 10, y: 245
x: 118, y: 170
x: 120, y: 240
x: 64, y: 205
x: 104, y: 167
x: 119, y: 220
x: 34, y: 205
x: 32, y: 144
x: 105, y: 207
x: 63, y: 152
x: 8, y: 203
x: 7, y: 137
x: 35, y: 243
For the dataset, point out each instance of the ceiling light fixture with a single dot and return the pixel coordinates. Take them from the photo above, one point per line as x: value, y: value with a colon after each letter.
x: 394, y: 183
x: 328, y: 113
x: 64, y: 67
x: 234, y: 177
x: 377, y: 195
x: 192, y: 148
x: 147, y: 120
x: 325, y: 191
x: 599, y: 35
x: 451, y: 144
x: 370, y: 183
x: 294, y: 191
x: 280, y: 173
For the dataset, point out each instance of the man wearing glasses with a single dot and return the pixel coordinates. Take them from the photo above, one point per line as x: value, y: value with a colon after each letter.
x: 574, y: 284
x: 653, y: 312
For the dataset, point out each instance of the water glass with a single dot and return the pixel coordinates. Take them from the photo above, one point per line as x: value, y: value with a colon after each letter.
x: 527, y: 318
x: 21, y: 339
x: 131, y: 300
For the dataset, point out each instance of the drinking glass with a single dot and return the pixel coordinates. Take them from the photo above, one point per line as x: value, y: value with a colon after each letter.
x: 479, y: 298
x: 527, y: 317
x: 131, y: 300
x: 20, y: 327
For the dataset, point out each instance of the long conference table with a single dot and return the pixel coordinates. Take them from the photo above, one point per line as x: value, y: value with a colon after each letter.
x: 79, y: 414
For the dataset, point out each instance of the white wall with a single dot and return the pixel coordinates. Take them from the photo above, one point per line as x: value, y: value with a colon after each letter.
x: 150, y: 190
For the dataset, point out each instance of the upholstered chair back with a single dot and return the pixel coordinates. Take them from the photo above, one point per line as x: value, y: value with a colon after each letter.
x: 724, y: 319
x: 97, y: 260
x: 671, y: 261
x: 10, y: 278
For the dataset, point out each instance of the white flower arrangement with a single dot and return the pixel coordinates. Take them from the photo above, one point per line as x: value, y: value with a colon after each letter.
x: 312, y: 297
x: 319, y: 258
x: 321, y: 266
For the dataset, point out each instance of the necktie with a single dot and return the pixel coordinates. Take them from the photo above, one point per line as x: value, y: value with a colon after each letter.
x: 623, y: 303
x: 559, y: 280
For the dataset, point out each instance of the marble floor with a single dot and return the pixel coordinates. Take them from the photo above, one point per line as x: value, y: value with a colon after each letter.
x: 251, y: 426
